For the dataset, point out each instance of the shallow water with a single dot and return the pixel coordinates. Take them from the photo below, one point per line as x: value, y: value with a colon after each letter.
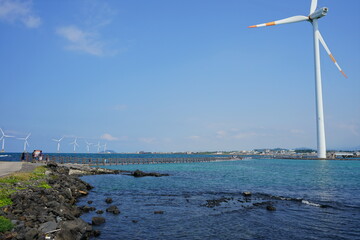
x: 313, y: 200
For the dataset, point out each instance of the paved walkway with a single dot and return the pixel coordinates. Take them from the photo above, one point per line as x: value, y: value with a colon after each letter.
x: 9, y: 167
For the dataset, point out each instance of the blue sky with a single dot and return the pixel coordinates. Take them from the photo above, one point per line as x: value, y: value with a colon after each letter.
x: 166, y: 75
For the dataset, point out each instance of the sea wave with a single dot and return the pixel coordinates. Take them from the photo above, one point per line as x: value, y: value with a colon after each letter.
x: 311, y: 203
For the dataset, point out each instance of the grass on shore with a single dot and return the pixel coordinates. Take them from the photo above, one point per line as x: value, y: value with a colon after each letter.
x: 19, y: 181
x: 16, y: 182
x: 5, y: 224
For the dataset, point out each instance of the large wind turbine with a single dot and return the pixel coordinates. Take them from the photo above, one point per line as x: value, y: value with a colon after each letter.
x: 25, y: 141
x: 75, y: 144
x: 313, y: 18
x: 3, y: 139
x: 58, y: 143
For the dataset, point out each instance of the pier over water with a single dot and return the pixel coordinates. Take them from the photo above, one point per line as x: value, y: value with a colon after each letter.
x: 105, y: 159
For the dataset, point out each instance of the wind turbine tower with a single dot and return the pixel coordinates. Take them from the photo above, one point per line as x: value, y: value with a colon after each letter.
x: 26, y: 143
x: 313, y: 18
x: 3, y: 139
x: 75, y: 144
x: 58, y: 143
x: 88, y: 146
x: 104, y: 147
x: 98, y: 147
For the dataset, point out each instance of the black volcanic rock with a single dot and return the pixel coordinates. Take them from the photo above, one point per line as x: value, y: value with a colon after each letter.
x: 113, y: 209
x: 139, y: 173
x: 97, y: 220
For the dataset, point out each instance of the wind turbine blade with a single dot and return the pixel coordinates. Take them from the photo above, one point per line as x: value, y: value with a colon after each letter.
x: 2, y: 131
x: 313, y: 6
x: 283, y: 21
x: 330, y: 54
x: 55, y: 140
x: 28, y: 136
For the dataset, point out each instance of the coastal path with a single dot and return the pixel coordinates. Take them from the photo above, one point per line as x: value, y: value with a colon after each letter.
x: 9, y: 167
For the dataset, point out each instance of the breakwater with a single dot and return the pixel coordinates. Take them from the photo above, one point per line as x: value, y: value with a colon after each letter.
x: 105, y: 159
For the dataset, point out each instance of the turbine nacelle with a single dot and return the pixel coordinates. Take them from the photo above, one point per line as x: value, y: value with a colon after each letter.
x: 319, y: 13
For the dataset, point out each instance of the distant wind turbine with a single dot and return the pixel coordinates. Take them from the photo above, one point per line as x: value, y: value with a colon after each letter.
x: 25, y: 141
x: 313, y: 18
x: 75, y: 144
x: 3, y: 139
x: 104, y: 147
x: 58, y: 143
x: 88, y: 145
x: 98, y: 146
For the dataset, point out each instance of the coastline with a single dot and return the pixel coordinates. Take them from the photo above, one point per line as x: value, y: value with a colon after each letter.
x: 50, y: 212
x: 215, y: 206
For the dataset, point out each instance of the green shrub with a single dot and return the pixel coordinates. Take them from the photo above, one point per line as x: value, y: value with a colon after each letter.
x: 44, y: 185
x: 5, y: 201
x: 5, y: 196
x: 5, y: 224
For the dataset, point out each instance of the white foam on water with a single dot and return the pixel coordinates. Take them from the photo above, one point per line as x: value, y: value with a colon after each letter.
x: 310, y: 203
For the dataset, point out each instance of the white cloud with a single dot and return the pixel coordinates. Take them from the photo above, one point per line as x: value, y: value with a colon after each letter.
x: 95, y: 15
x: 80, y: 40
x: 107, y: 136
x: 19, y: 11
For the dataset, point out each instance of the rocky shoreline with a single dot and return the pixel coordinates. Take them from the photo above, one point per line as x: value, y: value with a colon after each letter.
x: 51, y: 213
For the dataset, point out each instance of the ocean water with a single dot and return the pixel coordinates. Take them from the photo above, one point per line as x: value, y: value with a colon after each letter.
x: 313, y: 200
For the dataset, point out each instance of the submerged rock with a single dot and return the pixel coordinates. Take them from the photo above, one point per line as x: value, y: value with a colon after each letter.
x: 97, y: 220
x: 158, y: 212
x: 216, y: 202
x: 270, y: 208
x: 246, y: 194
x: 139, y: 173
x: 113, y: 209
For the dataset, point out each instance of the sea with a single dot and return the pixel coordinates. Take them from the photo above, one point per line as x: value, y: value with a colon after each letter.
x: 312, y: 199
x: 289, y: 199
